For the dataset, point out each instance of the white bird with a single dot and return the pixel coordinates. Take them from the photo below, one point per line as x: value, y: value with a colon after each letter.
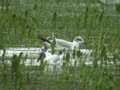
x: 64, y: 44
x: 69, y: 45
x: 53, y: 60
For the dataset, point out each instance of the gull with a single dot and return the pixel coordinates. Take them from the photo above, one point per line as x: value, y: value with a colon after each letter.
x: 53, y: 60
x: 64, y: 44
x: 50, y: 58
x: 60, y: 43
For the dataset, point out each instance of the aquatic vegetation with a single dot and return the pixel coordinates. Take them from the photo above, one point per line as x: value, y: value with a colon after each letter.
x: 98, y: 24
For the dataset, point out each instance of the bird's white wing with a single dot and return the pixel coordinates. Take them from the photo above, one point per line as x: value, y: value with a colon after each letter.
x: 63, y: 43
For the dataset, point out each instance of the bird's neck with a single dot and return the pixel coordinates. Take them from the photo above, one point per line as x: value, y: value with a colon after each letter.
x: 75, y: 44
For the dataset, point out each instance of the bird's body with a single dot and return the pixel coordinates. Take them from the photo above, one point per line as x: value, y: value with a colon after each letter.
x: 63, y: 44
x: 53, y: 58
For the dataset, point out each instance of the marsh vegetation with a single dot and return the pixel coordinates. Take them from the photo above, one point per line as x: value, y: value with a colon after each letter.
x: 22, y: 20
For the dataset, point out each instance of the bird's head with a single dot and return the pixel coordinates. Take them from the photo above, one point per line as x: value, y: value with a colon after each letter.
x: 78, y: 39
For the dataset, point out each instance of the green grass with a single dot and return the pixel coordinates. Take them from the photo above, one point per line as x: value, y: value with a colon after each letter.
x: 20, y: 26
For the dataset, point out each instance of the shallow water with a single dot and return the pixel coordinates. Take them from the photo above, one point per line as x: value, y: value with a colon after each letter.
x: 33, y: 54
